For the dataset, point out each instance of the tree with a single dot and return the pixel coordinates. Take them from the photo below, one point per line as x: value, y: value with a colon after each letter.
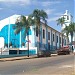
x: 23, y: 23
x: 70, y: 30
x: 61, y: 21
x: 39, y: 15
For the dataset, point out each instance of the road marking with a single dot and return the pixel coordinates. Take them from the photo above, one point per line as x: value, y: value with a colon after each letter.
x: 66, y: 66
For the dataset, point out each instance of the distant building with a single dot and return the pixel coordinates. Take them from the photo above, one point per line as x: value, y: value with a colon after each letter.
x: 68, y: 19
x: 50, y: 39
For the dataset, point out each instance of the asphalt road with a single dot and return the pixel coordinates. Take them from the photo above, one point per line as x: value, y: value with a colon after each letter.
x: 58, y: 65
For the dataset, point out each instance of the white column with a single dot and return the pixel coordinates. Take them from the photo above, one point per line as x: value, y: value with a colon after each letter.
x: 20, y: 39
x: 9, y: 33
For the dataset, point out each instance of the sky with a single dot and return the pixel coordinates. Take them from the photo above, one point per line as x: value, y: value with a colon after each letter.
x: 54, y: 9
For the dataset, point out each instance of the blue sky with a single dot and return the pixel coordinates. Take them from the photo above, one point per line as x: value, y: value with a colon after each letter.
x: 54, y: 9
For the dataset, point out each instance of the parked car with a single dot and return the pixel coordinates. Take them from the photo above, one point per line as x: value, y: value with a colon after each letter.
x: 63, y: 50
x: 44, y: 53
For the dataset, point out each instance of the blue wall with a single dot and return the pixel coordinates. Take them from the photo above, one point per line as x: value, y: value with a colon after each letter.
x: 14, y: 39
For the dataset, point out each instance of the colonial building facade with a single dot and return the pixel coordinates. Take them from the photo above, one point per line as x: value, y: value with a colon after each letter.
x: 50, y: 39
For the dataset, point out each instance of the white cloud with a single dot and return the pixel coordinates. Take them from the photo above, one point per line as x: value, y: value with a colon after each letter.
x: 13, y: 0
x: 8, y: 0
x: 47, y: 3
x: 52, y: 19
x: 25, y: 2
x: 1, y: 8
x: 49, y: 11
x: 58, y: 14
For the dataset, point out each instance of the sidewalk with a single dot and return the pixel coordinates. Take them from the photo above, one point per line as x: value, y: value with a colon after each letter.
x: 18, y: 58
x: 21, y: 57
x: 25, y: 57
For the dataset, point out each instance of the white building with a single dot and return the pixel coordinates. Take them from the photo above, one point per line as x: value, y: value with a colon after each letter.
x: 68, y: 19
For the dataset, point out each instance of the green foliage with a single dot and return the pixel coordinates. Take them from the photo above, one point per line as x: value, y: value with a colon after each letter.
x: 23, y: 23
x: 61, y: 21
x: 69, y: 30
x: 39, y: 15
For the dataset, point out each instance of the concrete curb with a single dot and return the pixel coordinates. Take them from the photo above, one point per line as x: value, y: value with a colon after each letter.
x: 17, y: 58
x: 22, y: 57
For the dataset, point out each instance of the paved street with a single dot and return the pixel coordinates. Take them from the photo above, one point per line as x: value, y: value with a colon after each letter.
x: 57, y: 65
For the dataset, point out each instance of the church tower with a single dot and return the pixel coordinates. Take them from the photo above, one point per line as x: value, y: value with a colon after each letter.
x: 68, y: 19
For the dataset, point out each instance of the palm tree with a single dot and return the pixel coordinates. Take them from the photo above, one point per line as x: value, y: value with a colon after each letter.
x: 61, y: 21
x: 23, y: 23
x: 39, y: 15
x: 70, y: 30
